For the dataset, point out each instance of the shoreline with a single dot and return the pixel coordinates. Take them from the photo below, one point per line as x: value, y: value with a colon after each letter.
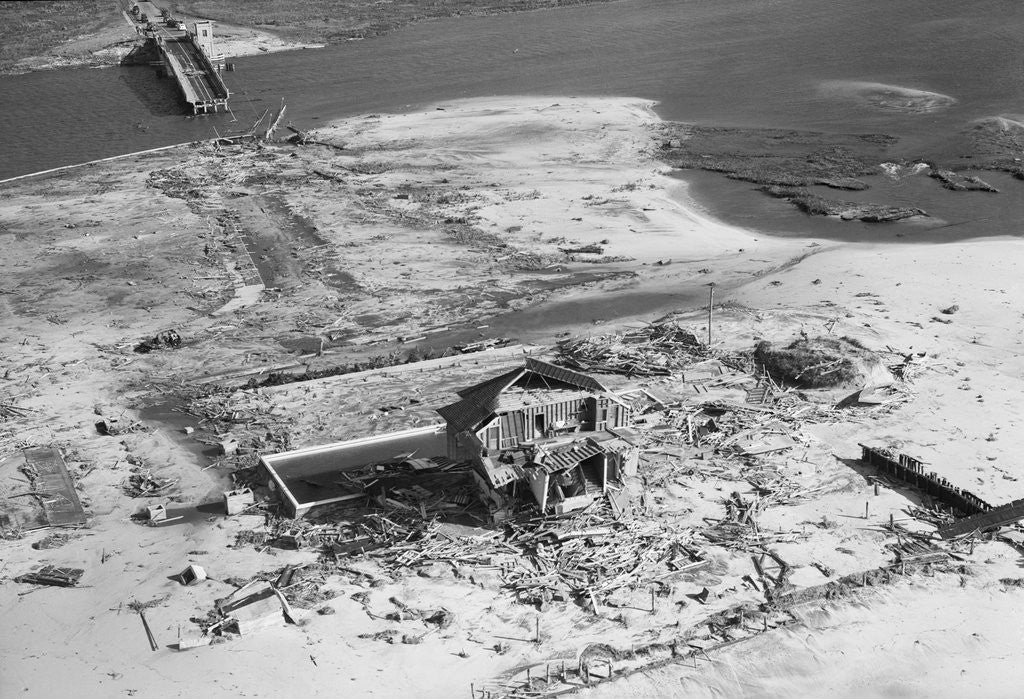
x: 67, y: 168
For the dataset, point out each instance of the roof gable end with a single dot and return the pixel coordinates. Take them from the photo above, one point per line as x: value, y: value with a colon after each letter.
x: 479, y: 402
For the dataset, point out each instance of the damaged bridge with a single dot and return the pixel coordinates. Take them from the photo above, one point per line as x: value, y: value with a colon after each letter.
x: 184, y: 54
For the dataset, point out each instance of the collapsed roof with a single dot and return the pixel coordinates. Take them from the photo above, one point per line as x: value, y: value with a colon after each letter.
x: 478, y: 403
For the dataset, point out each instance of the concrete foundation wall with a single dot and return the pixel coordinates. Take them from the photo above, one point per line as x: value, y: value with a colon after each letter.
x: 286, y: 472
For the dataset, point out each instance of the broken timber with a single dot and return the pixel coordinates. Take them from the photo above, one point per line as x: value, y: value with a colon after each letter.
x: 996, y: 517
x: 275, y: 122
x: 53, y: 575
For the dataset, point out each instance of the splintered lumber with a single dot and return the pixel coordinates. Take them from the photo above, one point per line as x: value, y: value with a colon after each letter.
x: 145, y: 484
x: 658, y: 349
x: 918, y: 552
x: 250, y: 132
x: 541, y: 559
x: 275, y: 122
x: 300, y: 137
x: 11, y: 410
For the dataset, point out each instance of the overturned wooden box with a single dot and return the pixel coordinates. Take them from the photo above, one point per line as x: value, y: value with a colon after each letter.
x: 236, y: 501
x: 193, y: 575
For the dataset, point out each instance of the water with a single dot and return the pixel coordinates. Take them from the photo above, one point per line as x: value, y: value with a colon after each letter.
x: 782, y: 63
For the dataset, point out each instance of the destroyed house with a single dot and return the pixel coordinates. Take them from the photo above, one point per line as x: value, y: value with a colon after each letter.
x: 532, y: 402
x: 558, y: 432
x: 539, y: 434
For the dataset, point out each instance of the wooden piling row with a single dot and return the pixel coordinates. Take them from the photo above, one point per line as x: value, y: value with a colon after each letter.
x: 910, y: 470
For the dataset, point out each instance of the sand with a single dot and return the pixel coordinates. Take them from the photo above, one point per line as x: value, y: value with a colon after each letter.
x: 97, y: 260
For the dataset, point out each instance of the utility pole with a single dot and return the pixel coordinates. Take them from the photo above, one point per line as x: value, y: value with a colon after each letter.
x: 711, y: 309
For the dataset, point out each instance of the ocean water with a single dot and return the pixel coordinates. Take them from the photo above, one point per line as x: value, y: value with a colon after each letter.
x: 922, y: 71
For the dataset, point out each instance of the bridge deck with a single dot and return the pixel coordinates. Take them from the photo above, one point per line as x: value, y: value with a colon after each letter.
x: 193, y: 74
x: 197, y: 77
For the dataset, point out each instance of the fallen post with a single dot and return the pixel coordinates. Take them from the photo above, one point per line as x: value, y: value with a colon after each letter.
x: 149, y: 632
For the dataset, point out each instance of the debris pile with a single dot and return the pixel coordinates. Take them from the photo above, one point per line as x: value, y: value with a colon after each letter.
x: 54, y: 540
x: 483, y: 345
x: 204, y: 172
x: 53, y: 575
x: 739, y: 531
x: 911, y: 366
x: 303, y: 586
x: 142, y: 484
x: 914, y: 547
x: 167, y: 339
x: 440, y: 617
x: 9, y: 410
x: 251, y: 419
x: 588, y: 561
x: 426, y: 486
x: 726, y: 429
x: 889, y: 395
x: 661, y: 348
x: 140, y: 609
x: 113, y: 426
x: 255, y: 605
x: 586, y: 557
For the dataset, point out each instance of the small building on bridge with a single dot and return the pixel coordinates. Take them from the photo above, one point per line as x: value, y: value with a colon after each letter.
x: 203, y: 33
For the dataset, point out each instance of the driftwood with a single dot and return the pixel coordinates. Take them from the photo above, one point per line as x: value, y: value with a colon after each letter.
x: 299, y: 137
x: 11, y: 410
x: 275, y: 122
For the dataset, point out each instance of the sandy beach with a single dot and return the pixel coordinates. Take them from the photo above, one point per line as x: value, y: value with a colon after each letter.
x: 450, y: 223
